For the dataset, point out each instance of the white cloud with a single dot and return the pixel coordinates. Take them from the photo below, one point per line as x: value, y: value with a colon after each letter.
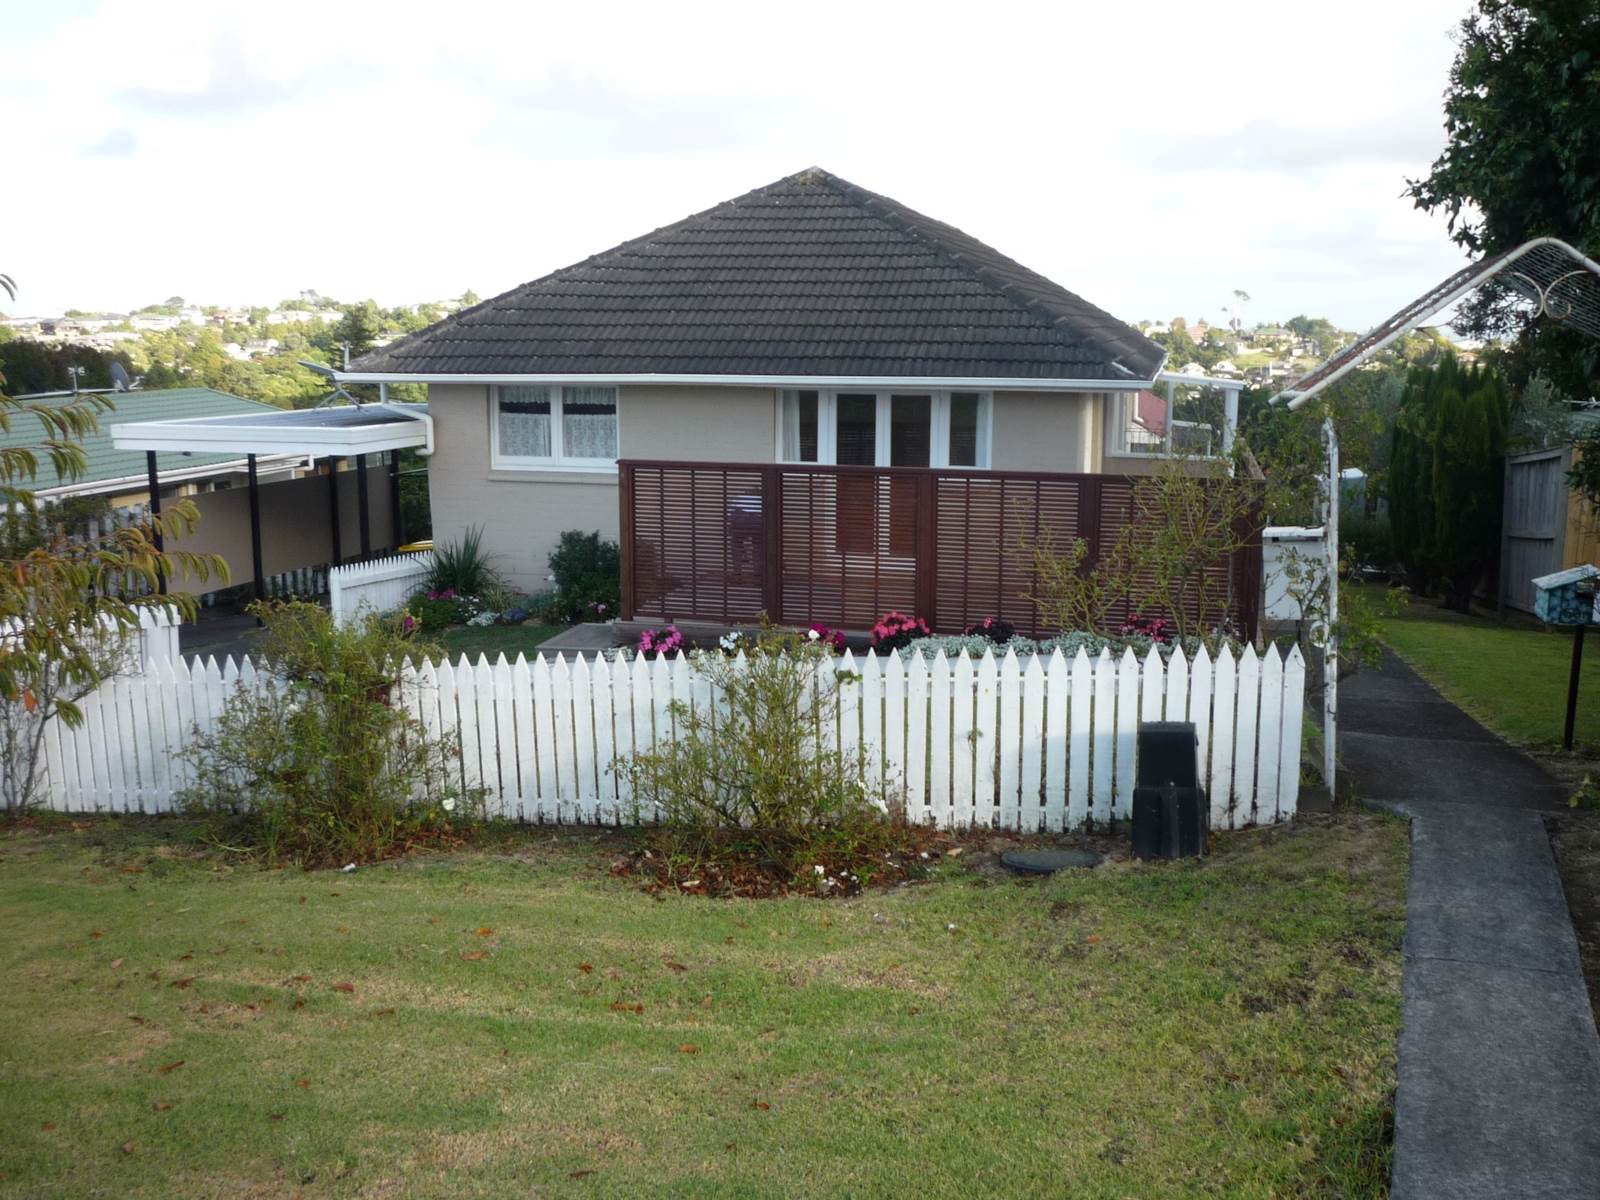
x: 1150, y: 158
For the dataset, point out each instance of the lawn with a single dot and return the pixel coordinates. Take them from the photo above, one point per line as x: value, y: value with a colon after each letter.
x: 1512, y: 676
x: 495, y: 640
x: 518, y: 1022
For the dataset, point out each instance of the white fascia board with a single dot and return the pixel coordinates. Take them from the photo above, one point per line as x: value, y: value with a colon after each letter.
x: 865, y: 382
x: 178, y: 436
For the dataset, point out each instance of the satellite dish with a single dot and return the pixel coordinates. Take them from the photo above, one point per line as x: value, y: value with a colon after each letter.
x: 119, y: 378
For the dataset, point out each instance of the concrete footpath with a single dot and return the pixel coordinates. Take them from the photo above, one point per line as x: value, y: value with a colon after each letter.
x: 1499, y: 1090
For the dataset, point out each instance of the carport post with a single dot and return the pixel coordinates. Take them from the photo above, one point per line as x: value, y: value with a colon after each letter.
x: 362, y: 507
x: 333, y: 511
x: 155, y: 511
x: 255, y: 529
x: 397, y: 535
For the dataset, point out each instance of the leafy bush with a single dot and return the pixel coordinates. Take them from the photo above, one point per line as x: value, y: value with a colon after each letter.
x: 995, y: 629
x: 749, y: 788
x: 655, y: 642
x: 319, y: 764
x: 1157, y: 629
x: 435, y: 610
x: 465, y: 567
x: 588, y: 573
x: 1369, y: 539
x: 895, y: 630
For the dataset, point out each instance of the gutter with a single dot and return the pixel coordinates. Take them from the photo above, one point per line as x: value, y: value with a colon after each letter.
x: 958, y: 383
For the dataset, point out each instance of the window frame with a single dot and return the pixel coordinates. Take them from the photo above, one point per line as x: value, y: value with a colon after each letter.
x: 939, y: 441
x: 558, y: 460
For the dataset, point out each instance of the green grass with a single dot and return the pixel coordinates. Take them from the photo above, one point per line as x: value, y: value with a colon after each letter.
x: 494, y: 640
x: 1510, y: 676
x: 521, y: 1023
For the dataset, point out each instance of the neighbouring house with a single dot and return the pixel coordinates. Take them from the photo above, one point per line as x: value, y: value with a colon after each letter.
x: 122, y: 477
x: 782, y: 396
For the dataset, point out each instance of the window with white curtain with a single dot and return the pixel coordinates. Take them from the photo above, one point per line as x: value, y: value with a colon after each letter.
x: 554, y: 425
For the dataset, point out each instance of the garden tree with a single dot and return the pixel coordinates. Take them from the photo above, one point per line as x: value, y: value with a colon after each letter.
x: 1521, y: 160
x: 1445, y: 470
x: 68, y: 605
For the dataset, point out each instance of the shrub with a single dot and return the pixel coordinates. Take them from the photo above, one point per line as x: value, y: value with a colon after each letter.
x: 833, y: 639
x: 895, y: 630
x: 655, y: 642
x: 750, y: 787
x: 1157, y: 629
x: 1369, y: 540
x: 318, y: 764
x: 994, y: 629
x: 435, y: 610
x: 588, y: 572
x: 464, y: 567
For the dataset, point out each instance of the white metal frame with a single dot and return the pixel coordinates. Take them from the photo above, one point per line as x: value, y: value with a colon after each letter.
x: 557, y: 460
x: 939, y: 437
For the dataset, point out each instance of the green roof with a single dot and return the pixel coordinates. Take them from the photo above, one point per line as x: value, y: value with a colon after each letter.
x: 107, y: 462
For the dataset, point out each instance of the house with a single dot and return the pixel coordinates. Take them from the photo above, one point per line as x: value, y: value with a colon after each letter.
x: 810, y: 325
x: 122, y: 476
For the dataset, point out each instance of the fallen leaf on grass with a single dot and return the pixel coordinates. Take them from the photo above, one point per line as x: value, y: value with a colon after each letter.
x: 302, y: 1083
x: 160, y: 1105
x: 676, y: 966
x: 580, y: 1174
x: 586, y: 968
x: 299, y: 1002
x: 760, y: 1104
x: 96, y: 934
x: 475, y: 955
x: 171, y: 1067
x: 300, y: 978
x: 346, y: 988
x: 133, y: 870
x: 484, y: 931
x: 384, y: 1012
x: 274, y: 1116
x: 48, y: 1127
x: 185, y: 982
x: 688, y: 1048
x: 115, y: 963
x: 129, y: 1147
x: 624, y: 1006
x: 186, y: 957
x: 136, y: 1018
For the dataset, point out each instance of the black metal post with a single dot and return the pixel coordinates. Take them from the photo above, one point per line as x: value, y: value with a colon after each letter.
x: 362, y: 506
x: 255, y: 529
x: 397, y: 533
x: 155, y: 512
x: 333, y: 511
x: 1572, y: 687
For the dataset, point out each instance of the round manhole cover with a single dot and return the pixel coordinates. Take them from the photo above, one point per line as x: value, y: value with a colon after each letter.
x: 1048, y: 862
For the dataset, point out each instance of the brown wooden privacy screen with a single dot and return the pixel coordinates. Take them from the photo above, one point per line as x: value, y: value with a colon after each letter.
x: 726, y: 542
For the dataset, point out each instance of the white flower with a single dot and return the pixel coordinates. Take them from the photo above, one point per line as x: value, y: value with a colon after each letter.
x: 819, y: 870
x: 812, y: 635
x: 448, y: 804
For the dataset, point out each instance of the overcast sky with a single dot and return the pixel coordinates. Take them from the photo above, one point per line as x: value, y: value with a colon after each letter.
x: 1152, y: 157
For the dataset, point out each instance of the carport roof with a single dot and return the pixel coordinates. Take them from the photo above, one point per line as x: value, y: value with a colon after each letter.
x: 339, y: 432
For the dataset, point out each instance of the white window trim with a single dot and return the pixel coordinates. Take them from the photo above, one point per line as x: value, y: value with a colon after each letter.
x: 557, y: 461
x: 939, y: 442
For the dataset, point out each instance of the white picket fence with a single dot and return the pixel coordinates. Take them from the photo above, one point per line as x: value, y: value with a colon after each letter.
x: 379, y: 586
x: 1004, y: 742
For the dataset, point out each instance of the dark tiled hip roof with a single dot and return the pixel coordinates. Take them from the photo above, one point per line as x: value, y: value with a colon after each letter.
x: 809, y: 276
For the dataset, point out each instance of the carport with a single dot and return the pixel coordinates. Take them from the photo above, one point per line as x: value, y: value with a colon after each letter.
x: 351, y: 431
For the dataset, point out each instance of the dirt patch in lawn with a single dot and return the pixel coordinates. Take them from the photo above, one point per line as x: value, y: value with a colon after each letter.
x: 1575, y: 837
